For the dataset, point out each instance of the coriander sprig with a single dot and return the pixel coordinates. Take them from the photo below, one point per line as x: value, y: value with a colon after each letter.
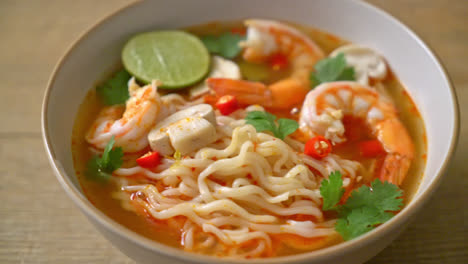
x: 101, y: 168
x: 226, y: 44
x: 366, y: 208
x: 114, y: 90
x: 332, y: 190
x: 264, y: 121
x: 332, y: 69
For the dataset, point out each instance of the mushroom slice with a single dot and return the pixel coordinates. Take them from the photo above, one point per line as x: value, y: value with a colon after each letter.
x: 367, y: 62
x: 220, y: 68
x: 160, y: 142
x: 191, y: 133
x: 185, y: 130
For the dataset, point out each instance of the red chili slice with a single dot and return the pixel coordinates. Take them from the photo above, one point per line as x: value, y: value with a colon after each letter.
x: 318, y: 147
x: 227, y: 104
x: 371, y: 148
x: 278, y: 61
x: 149, y: 160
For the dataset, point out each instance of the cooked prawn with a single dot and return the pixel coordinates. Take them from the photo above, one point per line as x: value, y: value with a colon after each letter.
x: 325, y: 106
x: 129, y: 125
x: 265, y: 39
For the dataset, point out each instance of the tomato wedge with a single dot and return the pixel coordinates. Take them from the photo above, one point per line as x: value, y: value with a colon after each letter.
x: 227, y: 104
x: 149, y: 160
x: 318, y: 147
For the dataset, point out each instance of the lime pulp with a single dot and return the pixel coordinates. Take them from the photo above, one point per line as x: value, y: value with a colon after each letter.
x: 176, y: 58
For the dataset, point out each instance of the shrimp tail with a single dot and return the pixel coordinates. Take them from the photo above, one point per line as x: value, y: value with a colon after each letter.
x: 288, y: 93
x: 394, y: 169
x: 400, y: 149
x: 280, y: 95
x: 246, y: 92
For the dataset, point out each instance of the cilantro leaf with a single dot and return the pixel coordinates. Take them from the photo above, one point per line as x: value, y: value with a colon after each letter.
x: 115, y: 159
x: 264, y: 121
x: 347, y: 75
x: 314, y: 81
x: 230, y: 47
x: 94, y: 170
x: 286, y: 126
x: 329, y: 69
x: 101, y: 168
x: 261, y: 115
x: 383, y: 196
x: 366, y: 208
x: 226, y: 44
x: 115, y: 91
x: 332, y: 190
x: 332, y: 69
x: 211, y: 43
x: 360, y: 221
x: 262, y: 125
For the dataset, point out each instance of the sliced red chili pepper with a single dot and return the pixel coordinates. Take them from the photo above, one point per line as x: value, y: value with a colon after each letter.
x: 149, y: 160
x: 227, y: 104
x: 278, y: 61
x: 371, y: 148
x: 318, y: 147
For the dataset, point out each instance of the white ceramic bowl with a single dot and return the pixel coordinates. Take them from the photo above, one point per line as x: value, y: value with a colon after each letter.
x: 99, y: 49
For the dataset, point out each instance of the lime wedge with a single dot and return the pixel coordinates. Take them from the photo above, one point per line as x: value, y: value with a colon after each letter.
x: 176, y: 58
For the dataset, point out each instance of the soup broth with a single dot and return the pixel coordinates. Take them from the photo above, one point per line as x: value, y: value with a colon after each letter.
x: 107, y: 195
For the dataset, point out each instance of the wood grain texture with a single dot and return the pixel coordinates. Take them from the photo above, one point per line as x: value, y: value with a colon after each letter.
x: 39, y: 224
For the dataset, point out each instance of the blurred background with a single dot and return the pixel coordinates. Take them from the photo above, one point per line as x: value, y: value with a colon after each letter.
x: 40, y: 224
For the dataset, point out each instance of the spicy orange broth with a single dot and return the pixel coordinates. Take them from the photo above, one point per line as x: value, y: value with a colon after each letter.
x: 99, y: 193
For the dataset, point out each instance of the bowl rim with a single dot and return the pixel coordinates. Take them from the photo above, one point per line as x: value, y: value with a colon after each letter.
x: 117, y: 229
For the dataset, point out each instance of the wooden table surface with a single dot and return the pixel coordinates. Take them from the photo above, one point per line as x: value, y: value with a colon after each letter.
x: 40, y: 224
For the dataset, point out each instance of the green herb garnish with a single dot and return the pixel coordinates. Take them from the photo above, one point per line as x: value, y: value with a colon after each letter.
x: 332, y: 190
x: 226, y: 44
x: 366, y: 208
x: 115, y: 90
x: 332, y: 69
x: 101, y: 168
x: 264, y: 121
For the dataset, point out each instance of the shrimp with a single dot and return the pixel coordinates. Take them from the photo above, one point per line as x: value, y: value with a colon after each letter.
x: 325, y: 106
x: 265, y: 39
x: 136, y: 120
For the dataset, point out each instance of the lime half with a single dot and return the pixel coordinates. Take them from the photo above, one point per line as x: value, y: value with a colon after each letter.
x: 176, y: 58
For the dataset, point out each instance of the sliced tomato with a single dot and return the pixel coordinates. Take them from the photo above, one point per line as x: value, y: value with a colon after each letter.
x: 227, y: 104
x: 318, y: 147
x: 150, y: 160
